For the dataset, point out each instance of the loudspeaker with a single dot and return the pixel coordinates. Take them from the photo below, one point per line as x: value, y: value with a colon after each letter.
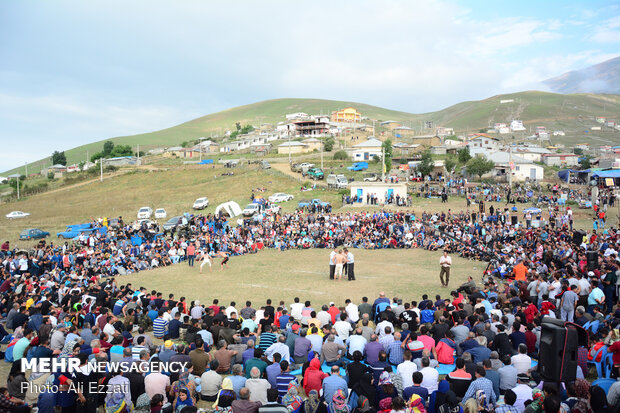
x: 514, y: 220
x: 557, y: 356
x: 592, y: 257
x: 578, y: 237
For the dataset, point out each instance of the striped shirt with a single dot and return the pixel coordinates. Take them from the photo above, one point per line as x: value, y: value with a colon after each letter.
x: 282, y: 382
x: 266, y: 340
x: 160, y: 327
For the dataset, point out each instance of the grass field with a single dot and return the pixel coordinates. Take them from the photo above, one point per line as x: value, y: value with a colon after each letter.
x: 304, y: 273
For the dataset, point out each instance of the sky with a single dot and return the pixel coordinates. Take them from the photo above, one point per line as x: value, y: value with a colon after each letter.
x: 74, y: 72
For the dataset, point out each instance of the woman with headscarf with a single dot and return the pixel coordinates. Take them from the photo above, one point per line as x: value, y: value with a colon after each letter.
x: 415, y: 404
x: 385, y: 405
x: 116, y: 403
x: 291, y: 399
x: 451, y: 404
x: 538, y: 399
x: 365, y: 388
x: 438, y: 397
x: 313, y: 403
x: 598, y: 400
x: 225, y: 396
x: 143, y: 404
x: 579, y: 400
x: 385, y: 389
x: 364, y: 406
x: 183, y: 382
x: 313, y: 376
x: 16, y: 380
x: 339, y: 402
x: 183, y: 399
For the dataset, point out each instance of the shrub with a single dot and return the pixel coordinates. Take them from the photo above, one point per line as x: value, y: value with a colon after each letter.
x: 341, y: 155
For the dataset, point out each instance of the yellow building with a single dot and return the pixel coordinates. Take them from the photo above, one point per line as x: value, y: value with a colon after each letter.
x: 346, y: 115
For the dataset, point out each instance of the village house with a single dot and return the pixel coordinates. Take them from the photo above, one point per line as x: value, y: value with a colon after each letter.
x: 292, y: 147
x: 58, y: 170
x: 531, y: 153
x: 517, y: 126
x: 346, y: 115
x: 403, y: 131
x: 561, y: 159
x: 390, y: 124
x: 365, y: 151
x: 482, y: 143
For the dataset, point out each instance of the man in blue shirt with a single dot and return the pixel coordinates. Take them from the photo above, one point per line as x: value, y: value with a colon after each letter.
x: 416, y: 388
x: 481, y: 383
x: 174, y: 326
x: 334, y: 383
x: 284, y: 378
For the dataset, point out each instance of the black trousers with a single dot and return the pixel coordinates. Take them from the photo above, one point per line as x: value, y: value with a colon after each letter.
x: 351, y: 271
x: 332, y: 270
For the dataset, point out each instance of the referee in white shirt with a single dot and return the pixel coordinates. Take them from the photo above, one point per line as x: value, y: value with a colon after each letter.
x: 350, y: 265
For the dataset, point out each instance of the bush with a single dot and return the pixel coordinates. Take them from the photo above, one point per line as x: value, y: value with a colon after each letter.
x: 50, y: 176
x: 110, y: 168
x: 344, y: 192
x: 341, y: 155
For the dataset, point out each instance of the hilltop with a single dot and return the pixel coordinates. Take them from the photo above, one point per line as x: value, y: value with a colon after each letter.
x: 600, y: 78
x: 571, y: 113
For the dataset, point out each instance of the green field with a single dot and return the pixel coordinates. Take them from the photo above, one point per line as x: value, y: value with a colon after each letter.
x: 571, y: 113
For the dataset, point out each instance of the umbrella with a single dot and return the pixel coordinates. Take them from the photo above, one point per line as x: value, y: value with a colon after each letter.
x: 532, y: 210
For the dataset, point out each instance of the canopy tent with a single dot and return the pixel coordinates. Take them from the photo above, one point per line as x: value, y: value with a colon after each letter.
x: 612, y: 173
x: 230, y: 208
x: 532, y: 210
x: 205, y: 162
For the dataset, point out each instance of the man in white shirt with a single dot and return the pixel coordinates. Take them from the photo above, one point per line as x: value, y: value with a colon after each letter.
x: 197, y: 311
x: 522, y: 362
x: 350, y: 265
x: 445, y: 262
x: 343, y: 328
x: 430, y: 376
x: 332, y: 263
x: 356, y: 342
x: 406, y: 369
x: 323, y: 316
x: 296, y: 309
x: 352, y: 311
x: 523, y: 392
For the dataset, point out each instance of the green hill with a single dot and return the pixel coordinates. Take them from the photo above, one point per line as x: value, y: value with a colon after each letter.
x: 571, y: 113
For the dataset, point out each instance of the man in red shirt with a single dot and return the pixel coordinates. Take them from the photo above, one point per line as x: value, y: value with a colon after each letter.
x: 191, y: 254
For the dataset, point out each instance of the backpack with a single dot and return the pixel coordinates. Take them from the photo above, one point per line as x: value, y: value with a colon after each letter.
x: 427, y: 316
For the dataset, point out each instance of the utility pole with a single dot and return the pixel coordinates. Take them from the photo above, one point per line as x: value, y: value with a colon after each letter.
x: 288, y: 132
x: 510, y: 166
x: 382, y: 164
x: 321, y: 153
x: 138, y: 153
x: 18, y: 187
x: 101, y: 169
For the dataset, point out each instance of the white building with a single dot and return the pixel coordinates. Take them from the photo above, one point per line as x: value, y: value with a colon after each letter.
x: 522, y: 168
x: 483, y: 144
x: 298, y: 115
x: 380, y: 189
x: 531, y: 153
x: 517, y: 126
x: 365, y: 151
x: 561, y: 159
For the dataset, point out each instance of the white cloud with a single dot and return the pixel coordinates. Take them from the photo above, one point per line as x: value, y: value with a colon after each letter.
x: 608, y: 31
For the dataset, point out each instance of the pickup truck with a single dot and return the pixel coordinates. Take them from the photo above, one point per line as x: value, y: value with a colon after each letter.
x: 336, y: 181
x: 358, y: 166
x: 295, y: 167
x: 304, y: 167
x: 307, y: 203
x: 73, y: 231
x: 315, y: 173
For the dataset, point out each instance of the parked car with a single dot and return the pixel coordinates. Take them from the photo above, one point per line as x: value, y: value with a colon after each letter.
x: 358, y: 166
x: 17, y: 214
x: 280, y: 197
x: 253, y: 209
x: 306, y: 203
x: 160, y: 213
x: 315, y: 173
x: 201, y: 203
x: 33, y: 233
x: 73, y: 231
x: 265, y: 165
x: 336, y: 181
x: 148, y: 222
x: 145, y: 213
x: 273, y: 209
x: 295, y: 167
x: 371, y: 178
x: 303, y: 168
x: 175, y: 222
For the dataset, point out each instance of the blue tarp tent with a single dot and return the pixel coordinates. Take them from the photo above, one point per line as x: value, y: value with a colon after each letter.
x: 564, y: 174
x: 612, y: 173
x: 205, y: 162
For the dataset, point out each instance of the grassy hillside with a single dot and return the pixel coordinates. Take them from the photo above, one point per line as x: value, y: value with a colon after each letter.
x: 571, y: 113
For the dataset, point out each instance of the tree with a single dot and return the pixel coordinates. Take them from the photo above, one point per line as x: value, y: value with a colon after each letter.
x: 578, y: 151
x: 238, y: 126
x: 59, y: 158
x: 340, y: 155
x: 328, y: 144
x: 426, y: 165
x: 584, y: 162
x: 121, y: 150
x: 246, y: 129
x: 450, y: 164
x: 479, y: 165
x: 108, y: 146
x: 387, y: 151
x: 463, y: 155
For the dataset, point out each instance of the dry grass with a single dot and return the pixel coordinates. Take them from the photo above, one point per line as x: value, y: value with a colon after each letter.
x: 304, y: 273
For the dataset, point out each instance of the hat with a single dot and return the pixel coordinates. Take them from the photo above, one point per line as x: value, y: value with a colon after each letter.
x: 331, y: 303
x: 295, y: 327
x: 523, y: 377
x: 197, y: 302
x: 590, y: 273
x: 168, y: 343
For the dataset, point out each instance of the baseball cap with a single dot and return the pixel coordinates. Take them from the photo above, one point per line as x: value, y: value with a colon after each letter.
x: 295, y: 327
x: 168, y: 344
